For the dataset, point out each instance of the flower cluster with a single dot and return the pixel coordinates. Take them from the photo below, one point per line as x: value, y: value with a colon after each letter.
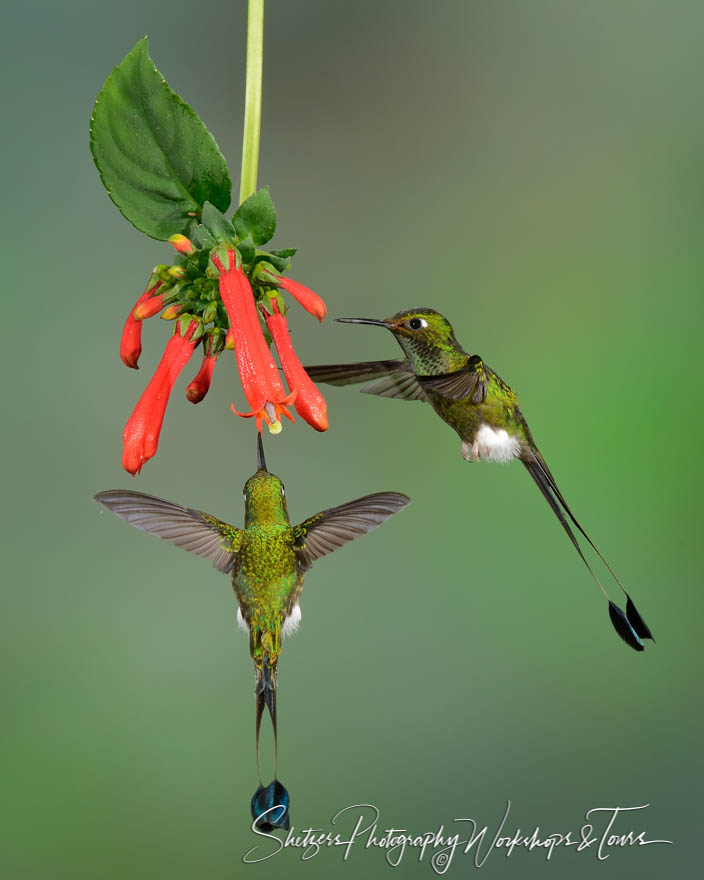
x: 217, y: 290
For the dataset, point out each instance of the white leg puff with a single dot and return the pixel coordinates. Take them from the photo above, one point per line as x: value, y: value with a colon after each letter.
x: 292, y: 622
x: 241, y: 622
x: 495, y: 444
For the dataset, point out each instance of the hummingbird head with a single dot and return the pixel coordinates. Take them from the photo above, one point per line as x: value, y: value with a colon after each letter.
x: 426, y: 337
x: 264, y: 495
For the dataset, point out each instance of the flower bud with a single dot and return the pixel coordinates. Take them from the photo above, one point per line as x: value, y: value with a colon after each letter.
x: 173, y: 311
x: 210, y: 312
x: 182, y: 244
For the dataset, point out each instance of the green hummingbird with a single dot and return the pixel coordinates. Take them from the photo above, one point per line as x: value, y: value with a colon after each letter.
x: 267, y: 561
x: 473, y: 400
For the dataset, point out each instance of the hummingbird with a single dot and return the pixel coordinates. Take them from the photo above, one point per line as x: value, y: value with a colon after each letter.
x: 267, y: 561
x: 483, y: 410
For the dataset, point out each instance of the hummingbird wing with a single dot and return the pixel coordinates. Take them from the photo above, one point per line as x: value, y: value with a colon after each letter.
x: 326, y: 531
x: 396, y: 378
x: 402, y: 384
x: 468, y: 382
x: 195, y: 531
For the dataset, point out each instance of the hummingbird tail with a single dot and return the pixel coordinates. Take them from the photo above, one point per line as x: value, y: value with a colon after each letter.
x: 639, y: 625
x: 629, y: 625
x: 578, y: 526
x: 270, y: 804
x: 270, y: 807
x: 265, y: 693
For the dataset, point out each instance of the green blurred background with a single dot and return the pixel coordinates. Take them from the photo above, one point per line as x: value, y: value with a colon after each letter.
x: 534, y: 171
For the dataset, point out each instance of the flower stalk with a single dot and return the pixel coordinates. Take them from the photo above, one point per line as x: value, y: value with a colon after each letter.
x: 253, y: 99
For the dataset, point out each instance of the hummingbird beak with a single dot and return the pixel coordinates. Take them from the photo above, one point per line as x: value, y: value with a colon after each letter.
x: 261, y: 461
x: 364, y: 321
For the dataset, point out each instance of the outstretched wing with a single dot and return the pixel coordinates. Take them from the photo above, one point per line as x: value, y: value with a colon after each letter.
x: 468, y: 382
x: 193, y: 530
x: 326, y: 531
x: 396, y: 378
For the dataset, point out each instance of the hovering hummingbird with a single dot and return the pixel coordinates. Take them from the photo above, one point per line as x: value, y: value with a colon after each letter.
x: 480, y: 407
x: 267, y: 561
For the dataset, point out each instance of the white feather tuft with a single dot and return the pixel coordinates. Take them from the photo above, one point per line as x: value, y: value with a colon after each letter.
x: 241, y: 622
x: 292, y: 622
x: 495, y: 444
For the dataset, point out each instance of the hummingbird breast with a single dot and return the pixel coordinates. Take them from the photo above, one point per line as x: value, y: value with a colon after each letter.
x: 461, y: 415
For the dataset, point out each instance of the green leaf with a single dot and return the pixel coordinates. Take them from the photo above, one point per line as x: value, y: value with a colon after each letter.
x: 281, y: 265
x: 200, y: 236
x: 246, y: 249
x: 157, y: 160
x: 285, y: 253
x: 256, y: 217
x: 217, y: 224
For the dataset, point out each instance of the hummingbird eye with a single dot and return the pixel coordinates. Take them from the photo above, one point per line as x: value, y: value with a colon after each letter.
x: 417, y: 323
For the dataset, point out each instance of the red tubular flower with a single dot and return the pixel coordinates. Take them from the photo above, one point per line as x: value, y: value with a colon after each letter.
x: 141, y: 434
x: 131, y: 341
x: 200, y: 386
x: 149, y: 307
x: 310, y: 404
x: 258, y: 373
x: 310, y: 301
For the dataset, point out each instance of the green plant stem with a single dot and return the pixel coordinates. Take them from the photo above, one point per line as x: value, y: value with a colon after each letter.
x: 253, y: 99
